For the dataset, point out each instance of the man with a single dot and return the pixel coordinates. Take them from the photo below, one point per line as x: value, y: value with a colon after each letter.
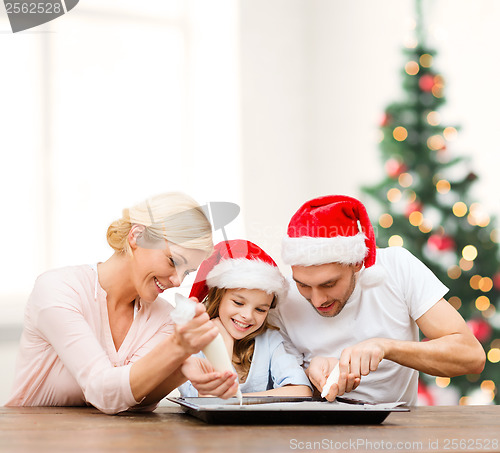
x: 360, y: 307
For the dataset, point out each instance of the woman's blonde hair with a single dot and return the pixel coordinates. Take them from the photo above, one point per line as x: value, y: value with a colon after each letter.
x: 244, y: 348
x: 173, y: 216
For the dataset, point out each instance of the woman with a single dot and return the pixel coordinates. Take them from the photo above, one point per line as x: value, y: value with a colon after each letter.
x: 100, y: 334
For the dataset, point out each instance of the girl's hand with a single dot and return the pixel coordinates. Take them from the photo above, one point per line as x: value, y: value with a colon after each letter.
x: 193, y: 336
x: 228, y: 339
x: 207, y: 381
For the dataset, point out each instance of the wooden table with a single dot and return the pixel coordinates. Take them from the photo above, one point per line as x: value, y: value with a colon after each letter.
x: 424, y: 429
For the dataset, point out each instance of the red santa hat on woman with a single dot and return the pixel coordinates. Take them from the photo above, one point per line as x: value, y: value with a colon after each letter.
x: 333, y: 229
x: 239, y: 264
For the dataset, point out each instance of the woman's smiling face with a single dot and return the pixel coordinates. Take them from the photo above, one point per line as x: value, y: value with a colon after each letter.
x: 243, y: 311
x: 155, y: 270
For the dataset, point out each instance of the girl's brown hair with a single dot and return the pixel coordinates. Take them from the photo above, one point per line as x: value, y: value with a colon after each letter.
x: 244, y: 348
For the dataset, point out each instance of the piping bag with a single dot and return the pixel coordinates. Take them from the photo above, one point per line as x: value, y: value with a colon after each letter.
x: 216, y: 351
x: 332, y: 379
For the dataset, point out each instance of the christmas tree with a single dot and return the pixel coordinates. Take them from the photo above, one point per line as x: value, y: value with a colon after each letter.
x: 427, y: 208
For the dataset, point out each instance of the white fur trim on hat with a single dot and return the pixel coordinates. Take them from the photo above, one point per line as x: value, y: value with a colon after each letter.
x: 313, y: 251
x: 249, y: 274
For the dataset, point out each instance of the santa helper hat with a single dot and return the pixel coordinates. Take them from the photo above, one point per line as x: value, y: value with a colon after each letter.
x: 239, y: 264
x: 333, y: 229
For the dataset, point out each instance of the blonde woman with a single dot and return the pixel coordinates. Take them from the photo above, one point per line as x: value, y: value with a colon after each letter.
x: 100, y: 335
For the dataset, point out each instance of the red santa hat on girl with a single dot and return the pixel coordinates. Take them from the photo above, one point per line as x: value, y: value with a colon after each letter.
x: 333, y: 229
x: 239, y: 264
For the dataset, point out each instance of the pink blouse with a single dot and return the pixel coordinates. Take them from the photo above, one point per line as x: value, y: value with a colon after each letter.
x: 67, y: 356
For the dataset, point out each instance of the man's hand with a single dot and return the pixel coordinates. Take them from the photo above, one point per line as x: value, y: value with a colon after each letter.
x: 361, y: 359
x: 197, y: 333
x: 318, y: 372
x: 207, y: 381
x: 355, y: 361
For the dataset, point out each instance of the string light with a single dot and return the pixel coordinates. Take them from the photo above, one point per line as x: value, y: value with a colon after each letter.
x: 412, y: 68
x: 482, y: 303
x: 485, y: 284
x: 395, y: 241
x: 437, y: 89
x: 469, y: 252
x: 455, y: 302
x: 443, y: 382
x: 488, y: 385
x: 416, y: 218
x: 474, y: 281
x: 426, y: 60
x: 450, y: 133
x: 443, y: 186
x: 435, y: 142
x: 459, y: 209
x: 394, y: 195
x: 464, y: 401
x: 494, y: 355
x: 400, y: 133
x: 385, y: 221
x: 454, y: 272
x: 411, y: 196
x: 433, y: 118
x: 465, y: 265
x: 426, y: 226
x: 405, y: 180
x: 489, y: 312
x: 494, y: 236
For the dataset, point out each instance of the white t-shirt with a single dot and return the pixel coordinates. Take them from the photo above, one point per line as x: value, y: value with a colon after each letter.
x: 388, y: 310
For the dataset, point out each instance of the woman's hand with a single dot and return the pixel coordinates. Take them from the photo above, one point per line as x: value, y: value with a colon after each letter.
x: 228, y: 339
x: 193, y: 336
x: 207, y: 381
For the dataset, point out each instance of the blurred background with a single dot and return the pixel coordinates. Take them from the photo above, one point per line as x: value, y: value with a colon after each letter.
x: 265, y: 103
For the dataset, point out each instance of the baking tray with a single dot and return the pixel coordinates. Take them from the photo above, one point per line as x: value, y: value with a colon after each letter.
x: 286, y: 410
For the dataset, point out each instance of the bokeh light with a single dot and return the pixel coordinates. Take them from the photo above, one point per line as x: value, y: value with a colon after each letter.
x: 465, y: 265
x: 485, y: 284
x: 482, y: 303
x: 385, y: 220
x: 400, y: 133
x: 435, y: 142
x: 474, y: 281
x: 405, y: 180
x: 469, y: 252
x: 455, y: 302
x: 426, y: 60
x: 459, y: 209
x: 434, y: 118
x: 412, y: 68
x: 494, y: 355
x: 394, y: 195
x: 443, y: 382
x: 450, y: 133
x: 454, y: 272
x: 443, y: 186
x: 416, y: 218
x: 395, y: 241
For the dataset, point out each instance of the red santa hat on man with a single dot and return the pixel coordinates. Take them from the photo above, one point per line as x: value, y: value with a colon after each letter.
x: 239, y: 264
x: 333, y: 229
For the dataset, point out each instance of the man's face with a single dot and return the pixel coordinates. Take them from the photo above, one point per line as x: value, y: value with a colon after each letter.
x: 327, y: 287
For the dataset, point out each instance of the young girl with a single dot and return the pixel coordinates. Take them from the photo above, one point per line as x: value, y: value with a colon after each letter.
x: 239, y: 283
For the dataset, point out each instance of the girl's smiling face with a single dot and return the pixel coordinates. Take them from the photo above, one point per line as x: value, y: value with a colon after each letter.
x: 243, y: 311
